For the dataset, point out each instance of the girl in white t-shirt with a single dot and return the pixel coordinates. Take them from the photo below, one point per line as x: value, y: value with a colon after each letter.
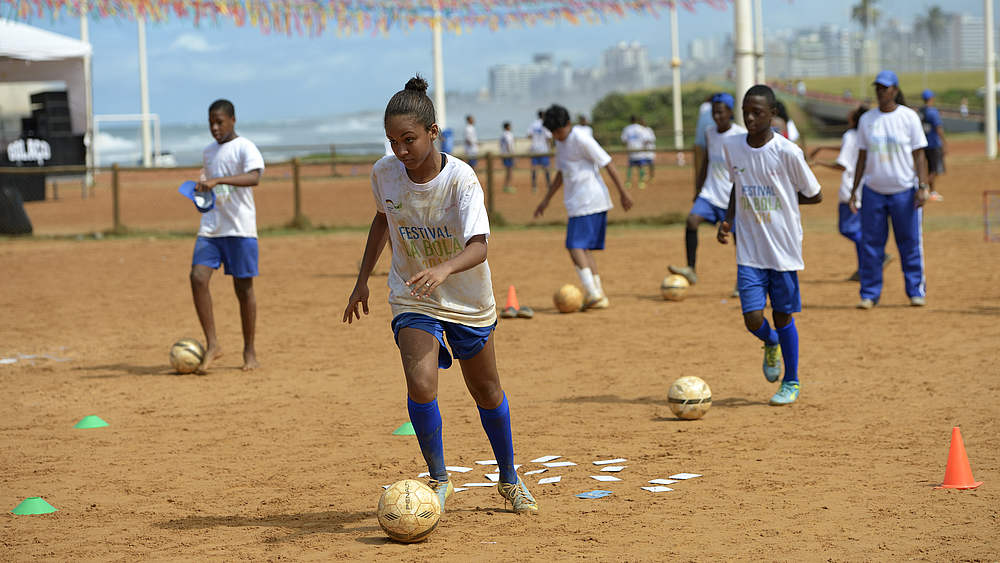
x: 429, y: 207
x: 893, y: 169
x: 580, y: 159
x: 848, y: 222
x: 770, y: 180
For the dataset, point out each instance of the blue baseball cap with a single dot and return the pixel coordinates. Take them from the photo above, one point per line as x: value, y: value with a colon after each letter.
x: 927, y: 94
x: 204, y: 201
x: 724, y: 98
x: 887, y: 78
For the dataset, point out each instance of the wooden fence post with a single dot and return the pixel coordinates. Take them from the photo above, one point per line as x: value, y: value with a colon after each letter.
x: 297, y: 193
x: 115, y: 208
x: 333, y: 160
x: 489, y: 183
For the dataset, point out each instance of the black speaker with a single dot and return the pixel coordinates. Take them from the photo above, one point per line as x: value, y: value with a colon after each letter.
x: 13, y: 219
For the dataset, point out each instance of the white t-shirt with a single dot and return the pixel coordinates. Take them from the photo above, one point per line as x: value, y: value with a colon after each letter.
x: 586, y: 129
x: 890, y: 139
x: 506, y: 142
x: 649, y: 143
x: 471, y: 140
x: 848, y: 158
x: 429, y: 224
x: 540, y: 137
x: 718, y: 185
x: 235, y: 214
x: 634, y: 137
x: 580, y: 159
x: 768, y: 224
x: 793, y: 131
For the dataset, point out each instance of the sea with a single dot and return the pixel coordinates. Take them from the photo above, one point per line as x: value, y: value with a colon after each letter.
x: 356, y: 133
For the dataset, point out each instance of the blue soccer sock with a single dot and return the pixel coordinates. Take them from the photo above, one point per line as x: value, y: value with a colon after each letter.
x: 496, y: 422
x: 426, y: 420
x: 789, y: 337
x: 767, y: 334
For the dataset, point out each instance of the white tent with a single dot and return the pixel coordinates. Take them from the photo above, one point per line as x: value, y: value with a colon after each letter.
x: 30, y: 54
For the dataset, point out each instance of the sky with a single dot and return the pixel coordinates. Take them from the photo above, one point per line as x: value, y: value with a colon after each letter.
x: 273, y: 78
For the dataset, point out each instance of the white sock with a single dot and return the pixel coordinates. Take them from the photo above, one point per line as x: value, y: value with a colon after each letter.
x: 587, y: 278
x: 597, y: 282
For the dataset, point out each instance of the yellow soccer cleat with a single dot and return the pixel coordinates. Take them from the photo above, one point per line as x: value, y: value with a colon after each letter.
x: 519, y: 497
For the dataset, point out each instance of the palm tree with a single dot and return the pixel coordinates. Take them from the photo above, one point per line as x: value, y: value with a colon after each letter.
x: 933, y: 23
x: 866, y: 14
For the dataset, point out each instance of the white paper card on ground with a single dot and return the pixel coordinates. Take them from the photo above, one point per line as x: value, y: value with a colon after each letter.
x: 545, y: 458
x: 487, y: 462
x: 604, y: 478
x: 656, y: 489
x: 493, y: 477
x: 558, y: 464
x: 479, y: 484
x: 663, y: 481
x: 424, y: 474
x: 516, y: 467
x: 458, y: 469
x: 685, y: 476
x: 460, y: 489
x: 535, y: 471
x: 386, y: 487
x: 610, y: 461
x: 614, y: 468
x: 547, y: 480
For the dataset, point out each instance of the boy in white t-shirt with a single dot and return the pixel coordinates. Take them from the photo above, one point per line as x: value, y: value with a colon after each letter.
x: 540, y: 138
x: 770, y: 179
x: 471, y: 142
x: 507, y: 153
x: 579, y: 159
x: 712, y: 184
x: 430, y: 209
x: 635, y: 137
x: 232, y: 165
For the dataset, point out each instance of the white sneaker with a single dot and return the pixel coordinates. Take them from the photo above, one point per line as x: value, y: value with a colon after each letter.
x: 596, y: 301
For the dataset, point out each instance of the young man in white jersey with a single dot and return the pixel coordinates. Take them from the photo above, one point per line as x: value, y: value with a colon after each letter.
x: 430, y: 210
x: 228, y: 234
x: 893, y: 169
x: 471, y: 142
x: 712, y: 184
x: 579, y: 159
x: 770, y: 179
x: 507, y: 152
x: 584, y: 125
x: 634, y: 136
x: 541, y: 139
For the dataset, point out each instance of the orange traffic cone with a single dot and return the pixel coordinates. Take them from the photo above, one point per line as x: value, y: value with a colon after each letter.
x: 958, y: 473
x: 510, y: 310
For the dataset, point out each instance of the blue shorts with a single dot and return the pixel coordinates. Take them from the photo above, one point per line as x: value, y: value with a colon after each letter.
x: 704, y: 209
x: 587, y: 231
x: 757, y: 284
x: 508, y: 162
x: 640, y: 161
x: 540, y: 161
x: 466, y: 341
x: 238, y: 254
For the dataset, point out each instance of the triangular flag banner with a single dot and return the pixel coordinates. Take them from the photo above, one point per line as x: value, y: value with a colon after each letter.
x: 91, y: 421
x: 405, y: 430
x: 33, y: 505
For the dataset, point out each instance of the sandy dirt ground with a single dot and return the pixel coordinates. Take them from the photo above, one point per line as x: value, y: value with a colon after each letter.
x: 287, y: 463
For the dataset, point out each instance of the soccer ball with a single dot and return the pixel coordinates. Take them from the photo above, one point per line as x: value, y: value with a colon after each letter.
x: 569, y: 298
x: 408, y: 511
x: 673, y: 287
x: 689, y: 397
x: 186, y: 355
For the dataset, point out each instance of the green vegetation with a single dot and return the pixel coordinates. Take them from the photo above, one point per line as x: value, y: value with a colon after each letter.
x: 949, y: 87
x: 611, y: 114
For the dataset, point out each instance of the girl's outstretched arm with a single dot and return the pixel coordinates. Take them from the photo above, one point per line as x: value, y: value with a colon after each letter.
x: 378, y: 235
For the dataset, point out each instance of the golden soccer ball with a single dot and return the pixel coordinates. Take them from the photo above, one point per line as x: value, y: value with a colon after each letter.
x: 673, y: 287
x: 186, y: 355
x: 689, y: 397
x: 408, y: 511
x: 568, y: 299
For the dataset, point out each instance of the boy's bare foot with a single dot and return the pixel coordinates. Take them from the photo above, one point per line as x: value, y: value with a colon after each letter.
x: 211, y: 354
x: 250, y: 362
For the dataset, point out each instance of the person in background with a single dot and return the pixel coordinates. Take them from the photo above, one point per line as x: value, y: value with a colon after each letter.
x: 937, y: 147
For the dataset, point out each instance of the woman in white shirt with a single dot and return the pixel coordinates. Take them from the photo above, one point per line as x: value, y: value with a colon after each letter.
x: 893, y: 169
